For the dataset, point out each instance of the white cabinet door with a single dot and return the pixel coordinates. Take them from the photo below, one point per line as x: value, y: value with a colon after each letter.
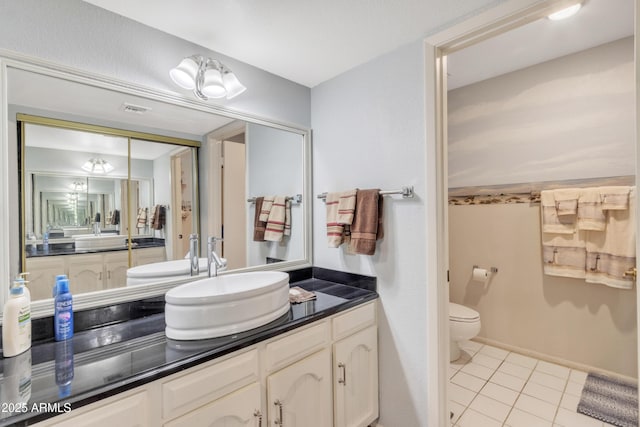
x: 238, y: 409
x: 42, y: 275
x: 355, y: 368
x: 300, y: 394
x: 85, y: 273
x: 116, y: 265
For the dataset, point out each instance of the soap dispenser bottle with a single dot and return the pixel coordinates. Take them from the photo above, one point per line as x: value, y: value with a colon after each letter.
x: 63, y: 311
x: 16, y: 324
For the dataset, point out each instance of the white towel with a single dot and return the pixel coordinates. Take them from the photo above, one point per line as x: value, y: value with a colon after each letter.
x: 565, y: 255
x: 551, y: 221
x: 566, y: 201
x: 590, y: 213
x: 612, y: 252
x: 615, y: 198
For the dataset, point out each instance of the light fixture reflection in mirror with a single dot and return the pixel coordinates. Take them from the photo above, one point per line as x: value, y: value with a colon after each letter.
x: 97, y: 166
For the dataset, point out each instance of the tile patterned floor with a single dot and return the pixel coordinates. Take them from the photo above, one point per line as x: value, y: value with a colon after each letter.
x: 491, y: 387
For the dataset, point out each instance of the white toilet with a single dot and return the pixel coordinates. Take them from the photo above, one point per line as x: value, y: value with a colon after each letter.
x: 464, y: 324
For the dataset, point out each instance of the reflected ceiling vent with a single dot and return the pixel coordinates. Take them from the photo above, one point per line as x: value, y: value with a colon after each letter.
x: 132, y: 108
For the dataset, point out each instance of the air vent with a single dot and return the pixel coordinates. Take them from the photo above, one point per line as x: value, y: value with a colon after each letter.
x: 132, y: 108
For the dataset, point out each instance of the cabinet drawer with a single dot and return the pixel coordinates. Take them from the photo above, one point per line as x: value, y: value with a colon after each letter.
x: 292, y: 348
x: 204, y: 384
x: 348, y: 323
x: 132, y: 411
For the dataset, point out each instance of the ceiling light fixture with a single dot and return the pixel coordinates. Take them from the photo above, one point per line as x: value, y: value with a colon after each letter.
x: 208, y: 78
x: 565, y: 13
x: 97, y: 165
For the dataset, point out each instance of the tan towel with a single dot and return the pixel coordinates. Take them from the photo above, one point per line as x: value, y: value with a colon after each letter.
x: 259, y: 227
x: 590, y: 213
x: 275, y: 223
x: 613, y: 251
x: 335, y: 231
x: 298, y: 295
x: 551, y: 221
x: 142, y: 217
x: 346, y: 207
x: 615, y: 198
x: 366, y: 221
x: 267, y: 202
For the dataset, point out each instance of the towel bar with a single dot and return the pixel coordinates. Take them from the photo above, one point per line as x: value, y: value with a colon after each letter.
x: 297, y: 199
x: 407, y: 193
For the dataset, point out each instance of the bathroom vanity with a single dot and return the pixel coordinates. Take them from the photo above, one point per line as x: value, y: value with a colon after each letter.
x: 315, y: 366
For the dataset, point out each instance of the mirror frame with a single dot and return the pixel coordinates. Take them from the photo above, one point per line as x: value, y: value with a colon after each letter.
x: 44, y: 308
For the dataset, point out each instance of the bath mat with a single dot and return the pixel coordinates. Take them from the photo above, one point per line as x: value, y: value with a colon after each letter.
x: 611, y: 400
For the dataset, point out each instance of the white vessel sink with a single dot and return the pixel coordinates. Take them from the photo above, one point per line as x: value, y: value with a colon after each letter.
x: 85, y: 242
x: 166, y: 270
x: 225, y: 305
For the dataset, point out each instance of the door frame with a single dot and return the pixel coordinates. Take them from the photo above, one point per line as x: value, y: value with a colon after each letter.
x: 504, y: 17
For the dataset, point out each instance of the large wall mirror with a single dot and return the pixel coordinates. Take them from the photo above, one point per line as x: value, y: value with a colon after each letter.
x: 112, y: 178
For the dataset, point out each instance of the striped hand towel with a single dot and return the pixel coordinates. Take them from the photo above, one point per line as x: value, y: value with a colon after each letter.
x: 259, y: 227
x: 287, y: 217
x: 267, y: 202
x: 276, y: 220
x: 334, y: 229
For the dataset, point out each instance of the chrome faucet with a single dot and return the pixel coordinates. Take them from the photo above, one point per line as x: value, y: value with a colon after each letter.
x: 96, y: 228
x: 193, y: 254
x: 214, y: 262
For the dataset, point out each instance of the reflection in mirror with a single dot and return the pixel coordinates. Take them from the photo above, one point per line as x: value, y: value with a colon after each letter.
x: 173, y: 182
x: 83, y: 221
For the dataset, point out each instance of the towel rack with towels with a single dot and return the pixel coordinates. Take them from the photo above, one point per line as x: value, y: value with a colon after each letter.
x: 407, y: 193
x: 297, y: 199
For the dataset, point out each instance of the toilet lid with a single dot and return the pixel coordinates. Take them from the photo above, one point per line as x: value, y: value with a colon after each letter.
x: 461, y: 313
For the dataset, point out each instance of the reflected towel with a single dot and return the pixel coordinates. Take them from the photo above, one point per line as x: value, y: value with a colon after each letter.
x: 590, y: 213
x: 612, y: 252
x: 259, y: 227
x: 551, y: 221
x: 275, y: 223
x: 287, y: 217
x: 142, y: 217
x: 367, y: 221
x: 267, y: 203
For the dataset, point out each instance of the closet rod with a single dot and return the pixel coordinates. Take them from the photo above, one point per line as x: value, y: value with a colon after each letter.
x: 407, y: 193
x: 297, y: 199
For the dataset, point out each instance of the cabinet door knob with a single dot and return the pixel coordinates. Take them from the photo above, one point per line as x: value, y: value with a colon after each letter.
x: 280, y: 420
x: 258, y: 415
x: 343, y: 380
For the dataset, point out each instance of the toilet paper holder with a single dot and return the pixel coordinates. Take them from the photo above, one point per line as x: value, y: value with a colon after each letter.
x: 492, y: 269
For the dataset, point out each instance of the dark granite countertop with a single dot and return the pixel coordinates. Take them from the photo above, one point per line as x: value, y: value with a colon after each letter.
x: 68, y: 248
x: 107, y: 360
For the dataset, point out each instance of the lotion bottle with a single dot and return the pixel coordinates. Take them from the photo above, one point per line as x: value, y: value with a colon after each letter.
x: 16, y: 325
x: 63, y: 311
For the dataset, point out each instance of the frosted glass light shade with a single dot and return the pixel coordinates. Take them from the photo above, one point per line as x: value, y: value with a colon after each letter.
x: 212, y: 86
x: 184, y: 75
x: 233, y: 85
x: 99, y: 166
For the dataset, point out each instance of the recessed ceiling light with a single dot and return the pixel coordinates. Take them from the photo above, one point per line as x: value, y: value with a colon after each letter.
x: 565, y: 13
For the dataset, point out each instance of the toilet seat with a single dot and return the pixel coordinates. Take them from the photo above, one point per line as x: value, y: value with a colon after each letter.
x: 460, y: 313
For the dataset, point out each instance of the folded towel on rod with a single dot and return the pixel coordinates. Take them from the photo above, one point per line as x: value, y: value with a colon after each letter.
x: 551, y: 221
x: 590, y: 213
x: 335, y: 230
x: 566, y: 201
x: 615, y: 197
x: 367, y: 222
x: 267, y: 203
x: 287, y: 217
x: 259, y: 227
x: 276, y: 220
x: 565, y: 255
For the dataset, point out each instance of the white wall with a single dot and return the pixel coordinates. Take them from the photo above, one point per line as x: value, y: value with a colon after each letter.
x: 369, y: 133
x: 569, y: 118
x: 275, y: 159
